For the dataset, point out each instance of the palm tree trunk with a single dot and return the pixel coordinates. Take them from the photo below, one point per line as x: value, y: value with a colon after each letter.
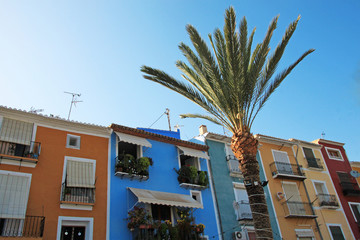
x: 244, y: 146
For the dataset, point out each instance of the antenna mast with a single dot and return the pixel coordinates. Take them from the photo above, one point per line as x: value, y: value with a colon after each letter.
x: 167, y: 112
x: 73, y: 101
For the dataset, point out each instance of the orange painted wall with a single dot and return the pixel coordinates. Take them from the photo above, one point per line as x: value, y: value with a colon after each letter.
x: 44, y: 198
x: 287, y: 225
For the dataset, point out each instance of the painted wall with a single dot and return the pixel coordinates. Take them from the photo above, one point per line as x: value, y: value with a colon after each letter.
x: 325, y: 216
x: 162, y: 177
x: 45, y: 189
x: 287, y: 225
x: 334, y: 166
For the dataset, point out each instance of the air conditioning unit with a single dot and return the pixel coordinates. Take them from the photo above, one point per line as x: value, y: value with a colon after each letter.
x: 239, y: 235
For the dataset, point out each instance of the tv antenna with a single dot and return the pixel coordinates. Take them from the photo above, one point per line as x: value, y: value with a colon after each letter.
x: 73, y: 101
x: 33, y: 110
x: 167, y: 112
x: 322, y: 135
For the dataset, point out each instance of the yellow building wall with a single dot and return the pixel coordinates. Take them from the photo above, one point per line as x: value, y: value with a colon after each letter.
x: 356, y: 168
x: 287, y: 225
x: 325, y: 216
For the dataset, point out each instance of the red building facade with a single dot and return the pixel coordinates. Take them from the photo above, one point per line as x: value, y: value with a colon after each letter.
x: 345, y: 184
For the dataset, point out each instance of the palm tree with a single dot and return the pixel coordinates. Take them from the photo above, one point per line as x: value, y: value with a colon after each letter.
x: 232, y: 84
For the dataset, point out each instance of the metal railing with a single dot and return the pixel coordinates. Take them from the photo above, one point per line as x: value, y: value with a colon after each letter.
x: 20, y: 150
x: 243, y: 210
x: 77, y: 194
x: 280, y: 168
x: 327, y: 200
x: 297, y: 209
x: 314, y: 163
x: 233, y: 164
x: 31, y: 226
x: 157, y: 234
x: 350, y: 188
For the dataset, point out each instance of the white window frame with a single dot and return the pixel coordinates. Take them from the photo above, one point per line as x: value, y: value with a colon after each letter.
x: 328, y: 225
x: 74, y: 206
x: 354, y: 203
x: 88, y: 223
x: 323, y: 182
x: 78, y: 141
x: 334, y: 149
x: 139, y: 150
x: 197, y: 160
x: 305, y: 230
x: 198, y: 193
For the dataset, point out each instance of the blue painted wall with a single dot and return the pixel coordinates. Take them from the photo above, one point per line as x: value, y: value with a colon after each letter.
x: 223, y: 185
x: 273, y: 222
x: 162, y: 177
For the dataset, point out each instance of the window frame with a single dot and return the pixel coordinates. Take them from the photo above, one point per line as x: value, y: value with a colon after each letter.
x: 198, y: 167
x: 78, y: 141
x: 334, y: 149
x: 354, y: 203
x: 322, y: 182
x: 87, y: 222
x: 328, y: 225
x: 199, y: 195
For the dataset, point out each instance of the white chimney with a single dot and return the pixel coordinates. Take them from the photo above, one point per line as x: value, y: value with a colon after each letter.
x: 202, y: 129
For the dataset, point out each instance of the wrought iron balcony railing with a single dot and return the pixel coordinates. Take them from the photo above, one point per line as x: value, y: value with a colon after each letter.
x: 350, y: 188
x: 327, y: 200
x: 286, y: 170
x: 314, y: 163
x: 31, y: 227
x: 20, y: 151
x: 233, y: 164
x: 78, y: 195
x: 242, y: 210
x: 294, y: 209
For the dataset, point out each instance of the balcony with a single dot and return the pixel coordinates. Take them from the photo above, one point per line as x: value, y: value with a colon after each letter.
x: 126, y: 166
x: 286, y: 171
x: 151, y: 233
x: 243, y: 211
x: 77, y: 195
x: 350, y: 188
x: 233, y: 165
x: 20, y: 152
x: 314, y: 163
x: 30, y: 227
x: 190, y: 177
x: 327, y: 201
x: 294, y: 209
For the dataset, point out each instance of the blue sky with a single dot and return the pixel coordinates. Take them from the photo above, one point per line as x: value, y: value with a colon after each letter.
x: 96, y: 48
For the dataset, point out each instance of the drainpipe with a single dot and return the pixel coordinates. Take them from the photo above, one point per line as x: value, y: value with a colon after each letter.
x: 307, y: 194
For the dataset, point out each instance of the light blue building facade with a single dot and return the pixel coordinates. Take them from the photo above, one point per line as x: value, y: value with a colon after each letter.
x: 158, y: 189
x: 233, y: 207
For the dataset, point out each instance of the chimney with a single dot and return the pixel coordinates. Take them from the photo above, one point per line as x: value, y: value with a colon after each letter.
x: 202, y: 129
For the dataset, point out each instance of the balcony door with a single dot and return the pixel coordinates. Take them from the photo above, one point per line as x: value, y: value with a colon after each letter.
x: 242, y: 206
x: 293, y: 199
x: 282, y: 162
x: 73, y: 233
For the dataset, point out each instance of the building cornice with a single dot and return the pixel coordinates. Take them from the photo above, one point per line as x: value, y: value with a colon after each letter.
x: 319, y: 141
x: 157, y: 137
x: 217, y: 137
x: 309, y: 144
x: 274, y: 140
x: 55, y: 122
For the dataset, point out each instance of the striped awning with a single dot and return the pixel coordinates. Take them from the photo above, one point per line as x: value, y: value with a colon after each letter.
x: 133, y: 139
x: 80, y: 174
x: 16, y: 131
x: 164, y: 198
x: 193, y: 152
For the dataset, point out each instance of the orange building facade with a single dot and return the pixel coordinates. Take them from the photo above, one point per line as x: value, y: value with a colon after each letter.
x: 53, y: 178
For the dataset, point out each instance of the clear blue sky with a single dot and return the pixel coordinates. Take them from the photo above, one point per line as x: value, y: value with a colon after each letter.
x: 96, y: 48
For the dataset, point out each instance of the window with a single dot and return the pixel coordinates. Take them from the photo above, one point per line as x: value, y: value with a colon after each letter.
x: 282, y: 162
x: 241, y: 205
x: 293, y: 199
x: 128, y: 148
x: 79, y: 181
x: 75, y: 228
x: 196, y: 195
x: 304, y: 234
x: 355, y: 209
x: 336, y: 232
x: 189, y: 161
x: 233, y: 162
x: 15, y: 131
x: 73, y: 141
x: 14, y: 192
x: 310, y: 158
x: 334, y: 153
x: 161, y: 212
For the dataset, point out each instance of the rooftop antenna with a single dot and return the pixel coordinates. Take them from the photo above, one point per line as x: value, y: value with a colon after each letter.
x: 322, y: 135
x: 167, y: 112
x: 177, y: 126
x: 33, y: 110
x: 73, y: 101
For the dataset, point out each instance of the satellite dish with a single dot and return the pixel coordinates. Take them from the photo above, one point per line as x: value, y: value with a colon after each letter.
x: 355, y: 173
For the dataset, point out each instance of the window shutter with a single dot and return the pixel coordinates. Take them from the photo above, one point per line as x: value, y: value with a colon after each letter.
x: 344, y: 177
x: 308, y: 152
x: 16, y: 131
x: 14, y: 193
x: 80, y: 174
x: 336, y: 232
x: 281, y: 157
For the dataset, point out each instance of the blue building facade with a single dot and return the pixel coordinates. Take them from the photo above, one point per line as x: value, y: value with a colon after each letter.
x: 158, y: 189
x: 233, y: 207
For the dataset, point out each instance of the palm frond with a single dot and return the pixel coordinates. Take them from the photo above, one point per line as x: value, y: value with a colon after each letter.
x: 209, y: 118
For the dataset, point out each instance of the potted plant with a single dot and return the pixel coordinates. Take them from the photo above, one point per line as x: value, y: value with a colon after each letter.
x: 187, y: 174
x: 202, y: 179
x: 138, y: 216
